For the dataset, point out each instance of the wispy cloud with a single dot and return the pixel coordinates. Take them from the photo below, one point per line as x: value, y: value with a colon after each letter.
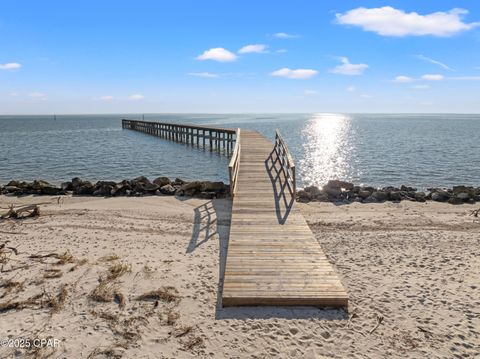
x: 38, y: 96
x: 346, y: 68
x: 421, y: 87
x: 217, y: 54
x: 433, y: 77
x: 12, y: 94
x: 257, y: 48
x: 297, y: 74
x: 351, y: 89
x: 281, y: 51
x: 388, y: 21
x: 435, y: 62
x: 106, y: 98
x: 10, y: 66
x: 309, y: 92
x: 284, y: 35
x: 403, y: 79
x: 204, y: 74
x: 136, y: 97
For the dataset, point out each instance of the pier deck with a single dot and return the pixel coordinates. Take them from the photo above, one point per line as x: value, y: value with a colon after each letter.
x: 273, y: 257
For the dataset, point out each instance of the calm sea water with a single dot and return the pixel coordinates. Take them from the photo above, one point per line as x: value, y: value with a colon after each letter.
x: 379, y: 150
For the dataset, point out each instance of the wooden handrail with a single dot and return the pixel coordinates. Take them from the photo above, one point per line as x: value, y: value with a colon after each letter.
x: 286, y: 161
x: 234, y: 165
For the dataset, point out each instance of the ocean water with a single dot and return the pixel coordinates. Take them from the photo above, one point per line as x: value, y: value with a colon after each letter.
x: 419, y: 150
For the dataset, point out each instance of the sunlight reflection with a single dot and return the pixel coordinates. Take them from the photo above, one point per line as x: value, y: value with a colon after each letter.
x: 327, y: 148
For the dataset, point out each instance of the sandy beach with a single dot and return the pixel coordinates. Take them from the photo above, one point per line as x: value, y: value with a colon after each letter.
x: 140, y: 278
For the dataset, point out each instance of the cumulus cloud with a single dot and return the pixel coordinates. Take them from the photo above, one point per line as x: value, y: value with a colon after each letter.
x: 217, y: 54
x: 106, y: 98
x: 432, y: 77
x: 388, y: 21
x: 10, y: 66
x: 296, y: 74
x: 435, y: 62
x: 204, y: 74
x: 284, y: 35
x: 346, y: 68
x: 403, y: 79
x: 257, y: 48
x: 136, y: 97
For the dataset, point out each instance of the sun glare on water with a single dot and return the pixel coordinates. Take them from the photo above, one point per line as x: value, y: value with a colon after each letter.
x: 327, y: 148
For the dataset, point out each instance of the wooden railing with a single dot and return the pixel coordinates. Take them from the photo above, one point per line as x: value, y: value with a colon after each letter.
x: 202, y: 136
x: 234, y: 165
x: 286, y: 161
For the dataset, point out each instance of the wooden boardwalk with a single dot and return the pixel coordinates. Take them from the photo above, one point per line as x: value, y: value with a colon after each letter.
x: 273, y: 257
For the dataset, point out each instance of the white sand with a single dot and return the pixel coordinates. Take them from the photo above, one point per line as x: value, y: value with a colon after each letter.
x: 415, y: 265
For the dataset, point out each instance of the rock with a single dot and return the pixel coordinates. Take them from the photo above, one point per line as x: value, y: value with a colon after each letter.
x: 39, y: 185
x: 463, y: 196
x: 455, y: 200
x: 141, y: 179
x: 395, y: 196
x: 420, y: 196
x: 364, y: 194
x: 11, y: 189
x: 150, y: 187
x: 312, y: 190
x: 212, y: 186
x: 178, y: 182
x: 13, y: 183
x: 161, y: 181
x: 463, y: 189
x: 380, y: 196
x: 340, y: 185
x: 476, y: 198
x: 52, y: 190
x: 304, y: 196
x: 76, y: 182
x: 122, y: 188
x: 332, y: 193
x: 370, y: 199
x: 195, y: 185
x: 407, y: 189
x: 168, y: 190
x: 66, y: 186
x: 85, y: 189
x: 440, y: 196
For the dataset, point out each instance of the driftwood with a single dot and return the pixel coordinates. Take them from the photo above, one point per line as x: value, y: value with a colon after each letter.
x: 31, y: 210
x: 475, y: 212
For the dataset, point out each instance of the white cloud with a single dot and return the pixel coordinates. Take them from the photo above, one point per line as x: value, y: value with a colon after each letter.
x: 136, y: 97
x: 388, y: 21
x: 204, y: 74
x: 257, y: 48
x: 309, y: 92
x: 366, y: 96
x: 284, y: 35
x: 435, y: 62
x: 351, y: 89
x: 432, y: 77
x: 218, y: 54
x: 106, y: 98
x: 346, y: 68
x: 12, y: 94
x: 281, y: 51
x: 403, y: 79
x: 294, y: 74
x: 10, y: 66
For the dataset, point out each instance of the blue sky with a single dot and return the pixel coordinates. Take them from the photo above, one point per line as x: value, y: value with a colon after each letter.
x: 239, y: 56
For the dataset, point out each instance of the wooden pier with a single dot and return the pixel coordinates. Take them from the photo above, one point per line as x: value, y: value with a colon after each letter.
x: 214, y: 138
x: 273, y: 257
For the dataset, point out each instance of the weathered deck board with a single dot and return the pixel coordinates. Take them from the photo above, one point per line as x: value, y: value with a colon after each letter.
x: 273, y: 257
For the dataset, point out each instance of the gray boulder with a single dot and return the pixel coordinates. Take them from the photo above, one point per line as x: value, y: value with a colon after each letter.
x: 168, y: 189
